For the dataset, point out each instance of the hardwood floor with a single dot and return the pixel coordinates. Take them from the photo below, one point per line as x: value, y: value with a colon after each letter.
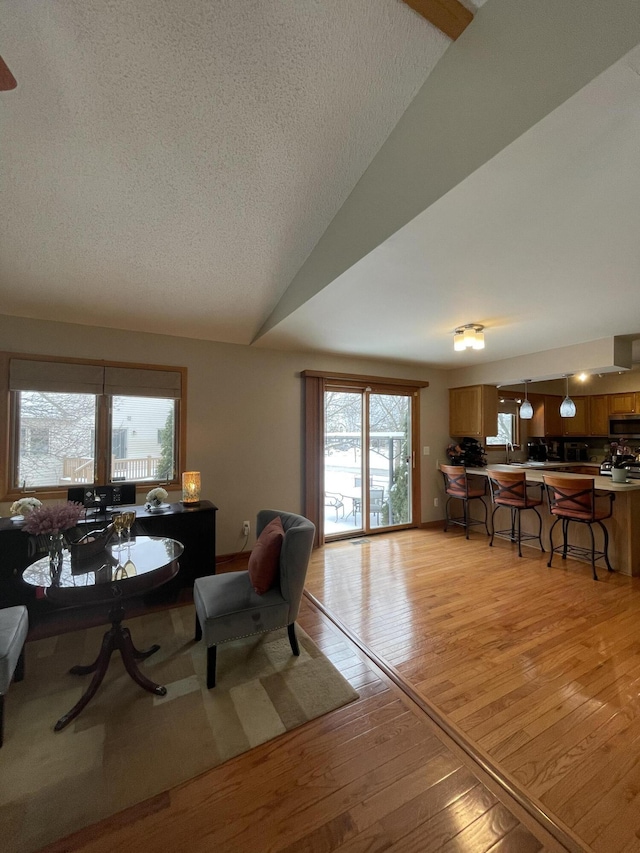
x: 374, y: 775
x: 538, y: 667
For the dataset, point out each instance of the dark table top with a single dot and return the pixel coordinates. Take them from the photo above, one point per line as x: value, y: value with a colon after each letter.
x: 148, y: 562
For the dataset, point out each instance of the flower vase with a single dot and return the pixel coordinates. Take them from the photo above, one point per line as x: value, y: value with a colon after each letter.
x: 56, y: 544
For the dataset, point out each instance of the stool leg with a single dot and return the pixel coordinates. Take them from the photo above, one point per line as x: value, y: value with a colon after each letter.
x: 539, y: 528
x: 593, y: 552
x: 551, y: 542
x: 446, y: 515
x: 606, y: 545
x: 565, y: 534
x: 486, y: 516
x: 493, y: 524
x: 519, y: 534
x: 466, y: 518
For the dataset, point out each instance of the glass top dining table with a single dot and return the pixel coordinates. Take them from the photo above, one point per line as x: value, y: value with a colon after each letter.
x: 115, y: 574
x: 118, y: 571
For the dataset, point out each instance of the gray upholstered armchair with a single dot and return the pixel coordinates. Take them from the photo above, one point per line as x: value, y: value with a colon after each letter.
x: 227, y: 607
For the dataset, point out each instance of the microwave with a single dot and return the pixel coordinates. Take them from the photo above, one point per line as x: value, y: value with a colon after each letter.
x: 624, y: 426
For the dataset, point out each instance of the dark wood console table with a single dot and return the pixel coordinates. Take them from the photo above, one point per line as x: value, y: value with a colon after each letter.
x: 194, y: 527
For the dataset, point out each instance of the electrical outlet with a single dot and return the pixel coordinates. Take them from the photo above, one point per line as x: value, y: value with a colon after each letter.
x: 246, y: 528
x: 436, y: 501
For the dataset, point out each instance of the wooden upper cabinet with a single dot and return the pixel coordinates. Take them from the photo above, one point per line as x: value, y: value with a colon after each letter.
x: 622, y: 404
x: 580, y: 424
x: 546, y: 415
x: 599, y: 414
x: 473, y: 411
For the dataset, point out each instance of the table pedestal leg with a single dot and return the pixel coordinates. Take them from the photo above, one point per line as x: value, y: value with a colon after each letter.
x: 116, y: 637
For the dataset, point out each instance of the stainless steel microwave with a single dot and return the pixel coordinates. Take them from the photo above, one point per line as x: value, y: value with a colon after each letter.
x: 624, y: 426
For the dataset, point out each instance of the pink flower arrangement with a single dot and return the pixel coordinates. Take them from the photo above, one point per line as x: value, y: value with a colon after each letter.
x: 53, y: 519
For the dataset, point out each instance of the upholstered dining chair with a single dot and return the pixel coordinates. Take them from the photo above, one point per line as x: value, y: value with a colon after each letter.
x: 460, y: 486
x: 509, y: 489
x: 228, y: 606
x: 576, y: 499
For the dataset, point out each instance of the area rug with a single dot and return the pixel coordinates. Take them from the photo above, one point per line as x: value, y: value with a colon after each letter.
x: 127, y: 744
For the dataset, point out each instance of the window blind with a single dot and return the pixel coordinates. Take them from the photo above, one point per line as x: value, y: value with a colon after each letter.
x: 71, y: 378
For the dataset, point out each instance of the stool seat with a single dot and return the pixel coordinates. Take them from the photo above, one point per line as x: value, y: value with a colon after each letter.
x: 574, y: 499
x: 14, y: 626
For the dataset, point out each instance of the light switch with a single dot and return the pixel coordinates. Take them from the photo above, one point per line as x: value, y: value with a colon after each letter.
x: 426, y: 451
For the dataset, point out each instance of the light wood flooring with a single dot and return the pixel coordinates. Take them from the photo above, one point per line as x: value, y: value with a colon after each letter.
x: 538, y: 667
x: 374, y: 775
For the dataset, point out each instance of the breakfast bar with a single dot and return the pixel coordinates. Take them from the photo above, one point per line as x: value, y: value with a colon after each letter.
x: 624, y: 534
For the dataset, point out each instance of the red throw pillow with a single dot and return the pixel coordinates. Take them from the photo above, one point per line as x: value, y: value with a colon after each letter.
x: 264, y: 560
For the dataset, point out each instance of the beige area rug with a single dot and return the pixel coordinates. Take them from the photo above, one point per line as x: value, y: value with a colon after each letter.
x: 127, y: 744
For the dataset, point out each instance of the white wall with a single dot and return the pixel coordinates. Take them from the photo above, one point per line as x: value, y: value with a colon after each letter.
x: 244, y: 411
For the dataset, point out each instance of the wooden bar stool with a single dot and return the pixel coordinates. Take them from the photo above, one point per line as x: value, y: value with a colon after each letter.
x: 574, y: 499
x: 509, y: 489
x: 458, y: 485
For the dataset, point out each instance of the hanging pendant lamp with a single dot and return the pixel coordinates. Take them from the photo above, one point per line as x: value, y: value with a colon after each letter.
x: 567, y: 407
x: 526, y: 409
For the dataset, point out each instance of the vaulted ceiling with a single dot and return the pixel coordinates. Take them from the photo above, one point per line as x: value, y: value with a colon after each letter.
x: 188, y: 168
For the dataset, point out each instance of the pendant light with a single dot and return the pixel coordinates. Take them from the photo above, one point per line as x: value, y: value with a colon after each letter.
x: 526, y: 409
x: 567, y: 407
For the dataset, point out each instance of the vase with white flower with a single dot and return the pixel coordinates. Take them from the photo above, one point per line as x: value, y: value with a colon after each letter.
x: 23, y: 506
x: 156, y: 497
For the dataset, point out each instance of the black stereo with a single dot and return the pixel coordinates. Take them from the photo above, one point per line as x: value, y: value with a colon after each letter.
x: 101, y: 497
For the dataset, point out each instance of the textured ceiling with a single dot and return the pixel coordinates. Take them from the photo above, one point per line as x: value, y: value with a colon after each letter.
x: 168, y: 166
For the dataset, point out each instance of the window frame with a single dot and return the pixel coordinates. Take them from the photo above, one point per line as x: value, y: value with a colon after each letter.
x: 9, y: 424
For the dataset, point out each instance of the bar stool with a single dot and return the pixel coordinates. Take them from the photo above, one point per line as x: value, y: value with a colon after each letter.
x: 509, y: 489
x: 458, y: 485
x: 574, y: 499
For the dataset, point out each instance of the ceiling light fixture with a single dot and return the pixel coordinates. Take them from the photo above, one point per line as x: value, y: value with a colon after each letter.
x: 470, y: 336
x: 567, y: 407
x: 526, y: 409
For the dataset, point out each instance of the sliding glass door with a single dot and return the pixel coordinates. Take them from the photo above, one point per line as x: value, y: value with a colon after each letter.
x: 367, y: 460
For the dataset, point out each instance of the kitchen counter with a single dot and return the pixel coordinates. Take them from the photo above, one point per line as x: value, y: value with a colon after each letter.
x: 624, y: 531
x: 535, y: 474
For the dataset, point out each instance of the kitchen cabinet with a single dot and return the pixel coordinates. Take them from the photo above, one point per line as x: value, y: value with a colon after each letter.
x: 622, y: 404
x: 546, y: 415
x: 599, y: 414
x: 579, y: 425
x: 473, y: 411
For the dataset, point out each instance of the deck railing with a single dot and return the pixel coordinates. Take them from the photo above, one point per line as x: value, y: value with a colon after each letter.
x: 79, y: 469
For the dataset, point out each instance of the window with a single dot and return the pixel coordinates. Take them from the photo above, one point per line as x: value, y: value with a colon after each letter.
x: 507, y: 424
x: 91, y: 422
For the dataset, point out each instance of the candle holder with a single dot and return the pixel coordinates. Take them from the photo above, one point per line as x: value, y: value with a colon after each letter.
x: 191, y: 488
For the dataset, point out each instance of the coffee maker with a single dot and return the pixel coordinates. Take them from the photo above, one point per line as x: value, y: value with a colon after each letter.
x: 536, y: 450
